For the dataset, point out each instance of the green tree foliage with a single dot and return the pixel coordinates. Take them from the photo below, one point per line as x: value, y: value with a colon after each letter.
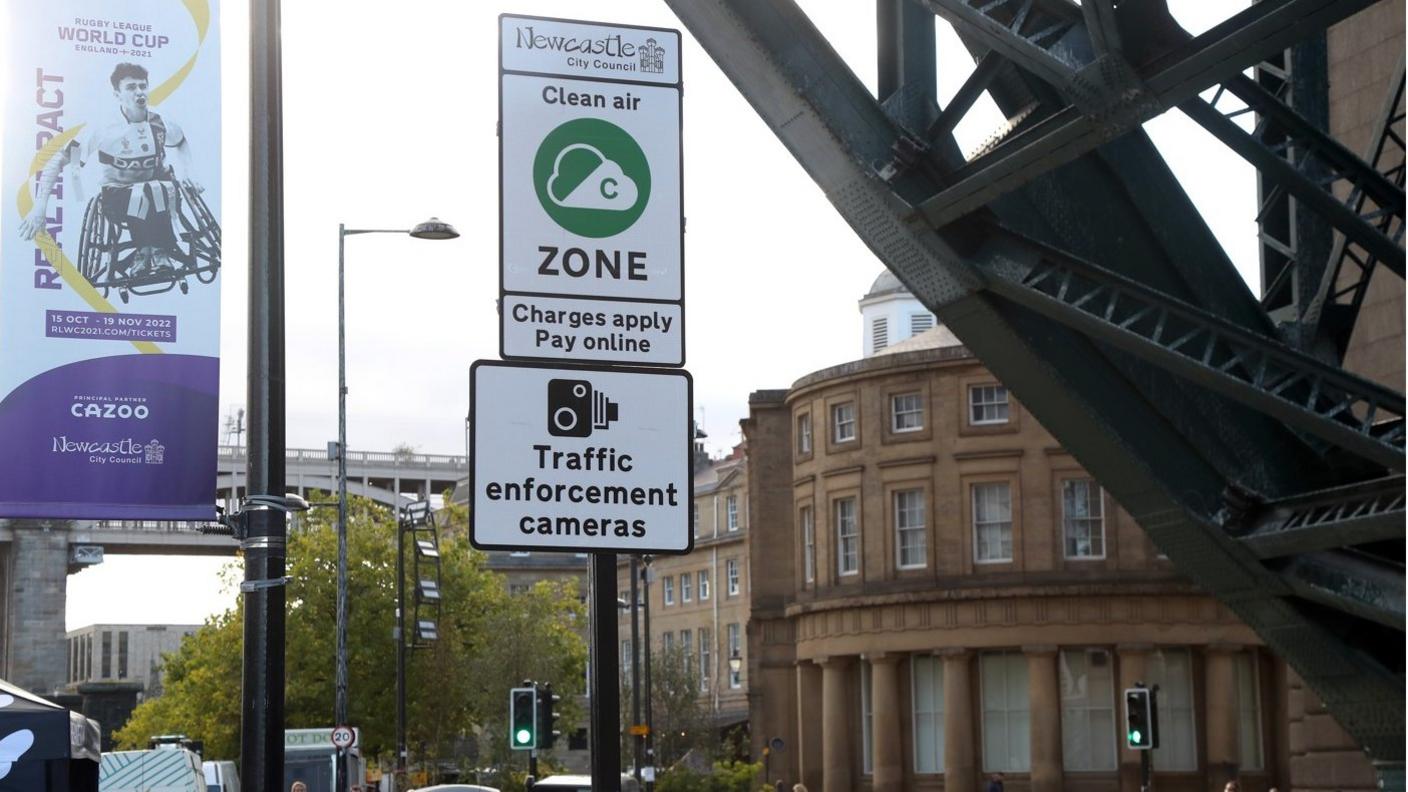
x: 726, y: 777
x: 457, y: 687
x: 680, y: 720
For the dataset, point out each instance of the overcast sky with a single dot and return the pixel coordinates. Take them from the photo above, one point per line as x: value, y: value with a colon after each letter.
x: 389, y: 118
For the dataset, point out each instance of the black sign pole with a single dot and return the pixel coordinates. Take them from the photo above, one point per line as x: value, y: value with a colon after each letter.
x: 262, y: 700
x: 606, y: 683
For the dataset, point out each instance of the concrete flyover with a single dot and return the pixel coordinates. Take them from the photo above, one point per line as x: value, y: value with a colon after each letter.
x: 36, y: 556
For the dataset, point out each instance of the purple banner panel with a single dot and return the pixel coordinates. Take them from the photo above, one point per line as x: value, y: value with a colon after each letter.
x: 110, y: 326
x: 124, y: 437
x: 110, y: 141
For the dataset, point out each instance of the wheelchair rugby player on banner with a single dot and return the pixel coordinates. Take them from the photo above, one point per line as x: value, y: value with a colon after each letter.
x: 147, y: 230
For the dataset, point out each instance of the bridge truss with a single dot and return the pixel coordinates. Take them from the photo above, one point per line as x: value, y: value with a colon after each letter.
x: 1068, y: 258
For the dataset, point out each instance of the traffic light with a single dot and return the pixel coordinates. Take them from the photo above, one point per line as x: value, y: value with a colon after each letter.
x: 547, y: 716
x: 523, y: 718
x: 1141, y: 719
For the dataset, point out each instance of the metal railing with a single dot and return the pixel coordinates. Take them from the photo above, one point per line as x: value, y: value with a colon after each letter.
x: 392, y: 458
x: 152, y: 526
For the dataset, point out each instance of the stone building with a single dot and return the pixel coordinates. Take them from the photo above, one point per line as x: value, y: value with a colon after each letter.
x: 699, y: 602
x: 940, y: 592
x: 114, y: 667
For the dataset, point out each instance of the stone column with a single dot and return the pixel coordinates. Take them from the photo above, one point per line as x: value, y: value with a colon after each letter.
x: 809, y: 723
x: 1044, y: 699
x: 1133, y: 659
x: 1220, y: 706
x: 960, y: 756
x: 838, y: 725
x: 36, y: 649
x: 885, y: 720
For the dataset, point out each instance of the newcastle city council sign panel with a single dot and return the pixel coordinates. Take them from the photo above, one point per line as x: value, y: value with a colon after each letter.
x: 591, y: 190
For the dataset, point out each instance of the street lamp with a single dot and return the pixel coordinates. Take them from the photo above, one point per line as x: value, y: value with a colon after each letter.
x: 735, y: 663
x: 430, y: 229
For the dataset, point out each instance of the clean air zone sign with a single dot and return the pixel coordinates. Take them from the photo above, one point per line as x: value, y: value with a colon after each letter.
x: 591, y: 227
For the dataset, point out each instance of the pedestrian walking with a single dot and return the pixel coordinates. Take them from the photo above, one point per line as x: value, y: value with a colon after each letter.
x: 799, y: 788
x: 994, y: 783
x: 1232, y: 786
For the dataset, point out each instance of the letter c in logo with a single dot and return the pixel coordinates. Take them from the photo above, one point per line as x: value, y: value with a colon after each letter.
x: 608, y: 193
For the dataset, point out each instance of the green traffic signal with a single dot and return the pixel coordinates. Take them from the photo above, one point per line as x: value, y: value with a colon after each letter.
x: 1141, y: 715
x: 523, y: 718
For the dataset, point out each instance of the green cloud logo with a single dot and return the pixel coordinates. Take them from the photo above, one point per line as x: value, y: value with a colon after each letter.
x: 583, y: 178
x: 591, y: 177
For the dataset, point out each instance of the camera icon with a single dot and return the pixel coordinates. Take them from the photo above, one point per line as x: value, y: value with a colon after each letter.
x: 575, y: 408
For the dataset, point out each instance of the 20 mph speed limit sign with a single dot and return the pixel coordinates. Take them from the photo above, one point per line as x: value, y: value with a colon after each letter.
x: 344, y: 737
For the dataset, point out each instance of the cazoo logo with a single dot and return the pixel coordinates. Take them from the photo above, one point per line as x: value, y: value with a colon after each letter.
x: 107, y: 409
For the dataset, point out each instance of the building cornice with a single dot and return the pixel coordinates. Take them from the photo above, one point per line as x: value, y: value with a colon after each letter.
x: 923, y: 358
x: 953, y: 590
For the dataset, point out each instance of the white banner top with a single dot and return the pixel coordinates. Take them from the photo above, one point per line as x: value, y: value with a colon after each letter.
x: 592, y: 51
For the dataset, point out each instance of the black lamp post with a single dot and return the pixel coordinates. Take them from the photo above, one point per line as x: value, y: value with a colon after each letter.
x: 430, y: 229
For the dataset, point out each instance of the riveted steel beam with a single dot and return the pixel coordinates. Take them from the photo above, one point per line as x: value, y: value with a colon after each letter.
x: 1104, y: 29
x: 977, y: 82
x: 1358, y: 585
x: 907, y: 67
x: 1023, y: 31
x: 1356, y: 514
x: 1295, y: 241
x: 1318, y: 399
x: 1319, y: 154
x: 1102, y: 404
x: 1201, y: 62
x: 1346, y: 278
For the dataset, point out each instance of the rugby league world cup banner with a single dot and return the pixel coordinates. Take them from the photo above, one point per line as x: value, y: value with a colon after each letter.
x: 110, y: 259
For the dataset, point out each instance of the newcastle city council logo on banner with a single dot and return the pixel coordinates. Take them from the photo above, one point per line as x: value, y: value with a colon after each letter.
x: 110, y: 260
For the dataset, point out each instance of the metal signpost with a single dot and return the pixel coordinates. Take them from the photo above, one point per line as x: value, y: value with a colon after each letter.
x: 571, y: 450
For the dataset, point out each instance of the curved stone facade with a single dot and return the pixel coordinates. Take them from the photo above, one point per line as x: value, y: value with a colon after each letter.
x: 940, y: 592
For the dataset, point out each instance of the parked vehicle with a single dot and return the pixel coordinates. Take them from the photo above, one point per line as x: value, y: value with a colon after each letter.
x: 310, y: 757
x: 167, y: 769
x: 221, y: 777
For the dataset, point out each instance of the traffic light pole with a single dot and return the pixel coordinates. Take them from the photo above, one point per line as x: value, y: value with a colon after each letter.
x: 606, y: 677
x: 637, y: 739
x: 400, y: 651
x: 649, y: 706
x: 1146, y: 774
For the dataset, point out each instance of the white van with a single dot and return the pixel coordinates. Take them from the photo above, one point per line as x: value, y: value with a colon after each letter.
x: 161, y: 770
x: 221, y: 777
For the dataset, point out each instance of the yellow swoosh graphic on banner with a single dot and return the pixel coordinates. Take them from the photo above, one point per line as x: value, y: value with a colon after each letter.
x: 200, y: 15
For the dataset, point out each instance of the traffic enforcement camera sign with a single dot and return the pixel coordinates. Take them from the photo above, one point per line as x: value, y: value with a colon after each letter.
x: 580, y: 459
x: 591, y: 227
